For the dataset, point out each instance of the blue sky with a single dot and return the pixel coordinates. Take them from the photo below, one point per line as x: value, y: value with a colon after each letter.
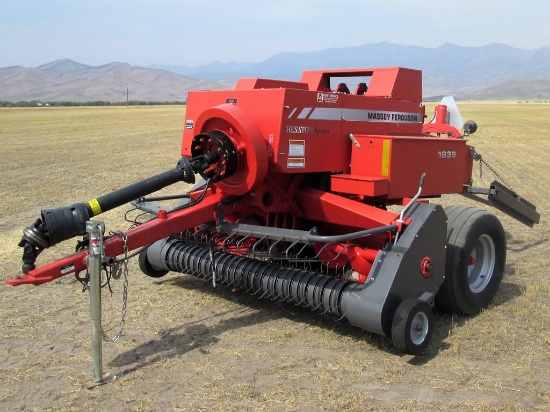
x: 185, y: 32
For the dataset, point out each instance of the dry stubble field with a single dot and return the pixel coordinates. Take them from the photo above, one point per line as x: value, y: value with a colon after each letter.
x: 187, y: 346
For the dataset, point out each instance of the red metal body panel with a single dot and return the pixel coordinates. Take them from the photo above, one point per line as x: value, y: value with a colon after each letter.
x: 306, y: 126
x: 256, y: 83
x: 391, y: 166
x: 328, y: 207
x: 389, y: 82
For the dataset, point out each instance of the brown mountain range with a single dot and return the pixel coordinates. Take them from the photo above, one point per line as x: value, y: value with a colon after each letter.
x: 66, y: 80
x: 492, y: 72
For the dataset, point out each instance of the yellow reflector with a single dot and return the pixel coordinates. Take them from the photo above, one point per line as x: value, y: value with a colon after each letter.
x: 386, y: 148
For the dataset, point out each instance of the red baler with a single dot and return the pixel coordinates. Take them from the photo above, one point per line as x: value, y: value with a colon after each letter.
x: 293, y: 204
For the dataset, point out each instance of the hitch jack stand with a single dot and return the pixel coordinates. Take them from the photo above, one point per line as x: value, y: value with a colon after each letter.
x: 95, y: 229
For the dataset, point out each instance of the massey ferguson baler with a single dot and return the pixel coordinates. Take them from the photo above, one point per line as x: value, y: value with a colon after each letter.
x: 293, y: 204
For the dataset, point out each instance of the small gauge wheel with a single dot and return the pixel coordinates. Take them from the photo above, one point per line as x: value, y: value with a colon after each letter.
x: 412, y: 326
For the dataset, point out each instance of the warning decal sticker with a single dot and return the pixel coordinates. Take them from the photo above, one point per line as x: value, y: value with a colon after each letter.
x: 327, y: 97
x: 296, y: 148
x: 296, y: 162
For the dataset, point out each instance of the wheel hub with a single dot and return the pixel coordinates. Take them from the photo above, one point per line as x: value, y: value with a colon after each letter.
x: 481, y: 264
x: 419, y: 328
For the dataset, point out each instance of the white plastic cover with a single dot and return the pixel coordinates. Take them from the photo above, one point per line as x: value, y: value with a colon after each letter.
x: 453, y: 114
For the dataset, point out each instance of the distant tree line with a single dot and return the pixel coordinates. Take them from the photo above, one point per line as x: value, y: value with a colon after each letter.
x: 37, y: 103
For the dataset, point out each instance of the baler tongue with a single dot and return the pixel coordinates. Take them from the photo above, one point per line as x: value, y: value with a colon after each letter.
x: 166, y: 224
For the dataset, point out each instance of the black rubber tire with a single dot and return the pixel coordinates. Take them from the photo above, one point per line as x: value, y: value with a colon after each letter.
x: 146, y: 267
x: 476, y: 256
x: 411, y: 329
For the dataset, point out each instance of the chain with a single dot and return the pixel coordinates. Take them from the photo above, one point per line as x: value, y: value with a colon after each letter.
x: 117, y: 271
x: 478, y: 158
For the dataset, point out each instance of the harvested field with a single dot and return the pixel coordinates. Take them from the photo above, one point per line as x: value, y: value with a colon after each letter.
x: 189, y: 346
